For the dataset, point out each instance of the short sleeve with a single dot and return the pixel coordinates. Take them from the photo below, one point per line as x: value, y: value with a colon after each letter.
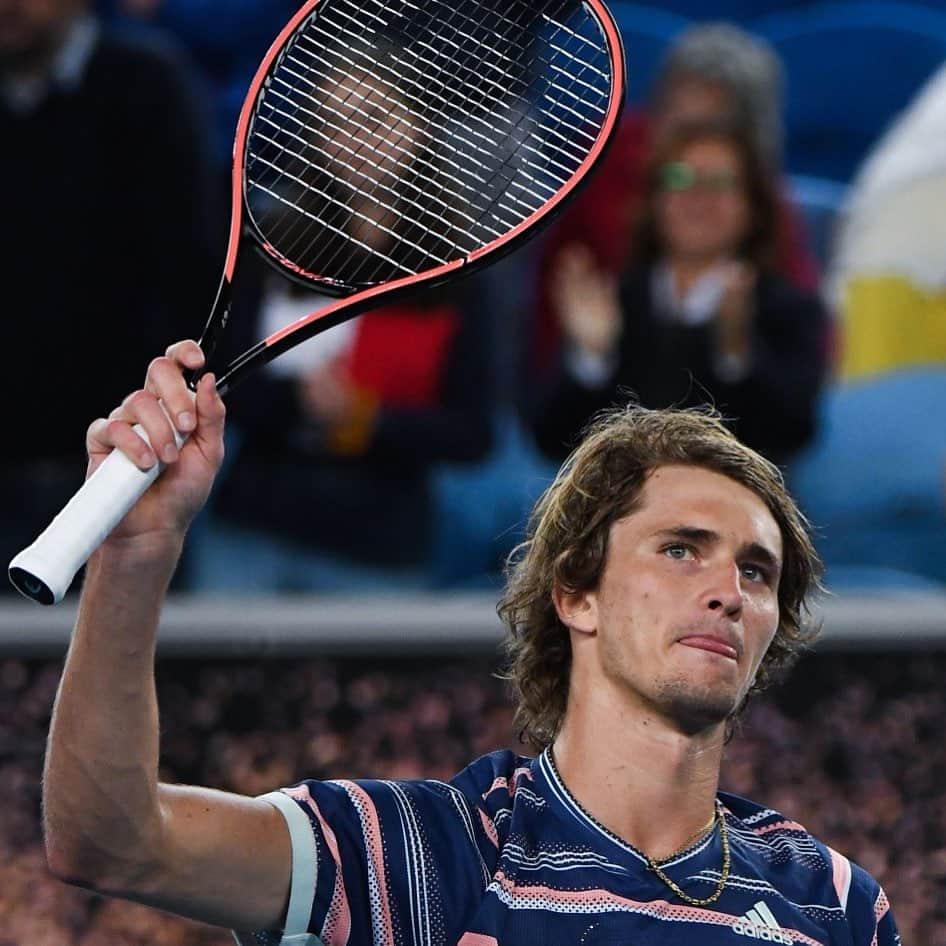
x: 379, y: 861
x: 869, y: 915
x: 304, y: 870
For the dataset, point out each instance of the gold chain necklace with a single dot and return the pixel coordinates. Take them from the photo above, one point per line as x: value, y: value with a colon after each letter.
x: 653, y: 865
x: 723, y: 874
x: 692, y: 839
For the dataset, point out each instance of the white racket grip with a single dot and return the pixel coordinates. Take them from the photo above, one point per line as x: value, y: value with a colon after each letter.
x: 44, y: 571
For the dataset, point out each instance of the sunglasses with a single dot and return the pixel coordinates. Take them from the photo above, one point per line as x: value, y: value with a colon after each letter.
x: 679, y: 176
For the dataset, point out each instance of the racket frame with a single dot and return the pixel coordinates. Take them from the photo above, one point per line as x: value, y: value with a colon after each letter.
x: 355, y: 301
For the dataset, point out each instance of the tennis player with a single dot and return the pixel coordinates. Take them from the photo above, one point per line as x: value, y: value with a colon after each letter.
x: 664, y: 580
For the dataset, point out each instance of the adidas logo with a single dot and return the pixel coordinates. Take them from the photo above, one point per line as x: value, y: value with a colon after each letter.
x: 760, y: 923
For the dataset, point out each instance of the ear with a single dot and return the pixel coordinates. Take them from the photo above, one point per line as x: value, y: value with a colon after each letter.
x: 577, y: 610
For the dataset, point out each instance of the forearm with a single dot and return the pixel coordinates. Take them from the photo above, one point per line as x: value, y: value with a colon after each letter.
x: 100, y: 789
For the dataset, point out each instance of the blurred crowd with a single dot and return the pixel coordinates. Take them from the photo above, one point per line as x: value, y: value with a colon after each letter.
x: 404, y: 449
x: 850, y: 746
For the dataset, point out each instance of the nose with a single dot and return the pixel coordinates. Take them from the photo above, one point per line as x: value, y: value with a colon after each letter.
x: 724, y: 592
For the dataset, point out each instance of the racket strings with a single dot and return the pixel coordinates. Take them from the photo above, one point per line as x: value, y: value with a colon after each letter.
x: 367, y: 170
x: 362, y: 177
x: 529, y: 207
x: 388, y: 143
x: 388, y: 206
x: 508, y: 23
x: 455, y: 185
x: 452, y: 190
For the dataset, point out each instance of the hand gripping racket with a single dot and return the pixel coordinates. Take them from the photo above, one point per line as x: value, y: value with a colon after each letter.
x: 385, y: 145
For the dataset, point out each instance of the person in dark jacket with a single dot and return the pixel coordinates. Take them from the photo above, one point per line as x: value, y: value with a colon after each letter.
x: 713, y: 70
x: 700, y: 314
x: 106, y: 249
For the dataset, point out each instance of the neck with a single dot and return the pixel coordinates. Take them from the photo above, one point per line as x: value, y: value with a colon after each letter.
x: 637, y: 774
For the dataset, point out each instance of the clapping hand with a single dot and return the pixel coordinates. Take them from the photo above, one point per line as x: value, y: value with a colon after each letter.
x: 586, y: 301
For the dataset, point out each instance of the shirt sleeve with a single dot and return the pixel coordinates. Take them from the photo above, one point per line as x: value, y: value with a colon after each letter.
x: 378, y: 862
x: 868, y: 911
x: 304, y: 875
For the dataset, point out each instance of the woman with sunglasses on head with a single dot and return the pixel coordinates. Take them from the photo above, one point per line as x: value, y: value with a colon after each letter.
x: 700, y: 314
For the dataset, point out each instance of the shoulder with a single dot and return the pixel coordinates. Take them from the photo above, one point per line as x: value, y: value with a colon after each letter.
x: 865, y: 903
x: 774, y: 289
x: 144, y: 57
x: 423, y: 822
x: 462, y: 809
x: 766, y: 830
x: 765, y: 834
x: 811, y: 869
x: 498, y: 771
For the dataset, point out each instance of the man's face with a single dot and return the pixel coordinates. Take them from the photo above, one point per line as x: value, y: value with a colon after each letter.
x: 30, y: 29
x: 688, y: 601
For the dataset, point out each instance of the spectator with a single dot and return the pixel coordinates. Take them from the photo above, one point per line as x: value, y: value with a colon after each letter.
x: 714, y: 71
x: 102, y: 256
x: 701, y: 314
x: 337, y: 494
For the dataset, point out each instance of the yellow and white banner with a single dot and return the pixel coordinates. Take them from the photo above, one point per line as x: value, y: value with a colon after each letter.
x: 888, y: 277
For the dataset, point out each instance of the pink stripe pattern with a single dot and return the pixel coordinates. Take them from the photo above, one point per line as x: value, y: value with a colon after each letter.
x: 377, y: 871
x: 477, y: 939
x: 336, y: 930
x: 842, y: 876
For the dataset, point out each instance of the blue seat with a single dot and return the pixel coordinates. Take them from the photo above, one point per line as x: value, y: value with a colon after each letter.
x: 820, y: 202
x: 874, y: 483
x: 851, y: 68
x: 733, y: 11
x: 647, y: 33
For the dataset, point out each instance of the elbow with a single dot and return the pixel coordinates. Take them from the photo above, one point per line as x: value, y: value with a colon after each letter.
x: 87, y: 864
x: 73, y: 867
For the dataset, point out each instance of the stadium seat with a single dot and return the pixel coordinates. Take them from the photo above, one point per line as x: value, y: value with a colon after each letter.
x: 874, y: 484
x: 734, y: 11
x: 851, y: 68
x: 647, y: 33
x: 821, y: 204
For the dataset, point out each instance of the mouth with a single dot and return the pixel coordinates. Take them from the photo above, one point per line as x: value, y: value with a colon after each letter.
x: 711, y: 644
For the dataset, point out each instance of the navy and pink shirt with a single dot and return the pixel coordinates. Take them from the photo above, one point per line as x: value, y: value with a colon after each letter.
x: 502, y: 855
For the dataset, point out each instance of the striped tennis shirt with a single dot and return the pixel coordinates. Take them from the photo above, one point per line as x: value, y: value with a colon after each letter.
x: 502, y: 855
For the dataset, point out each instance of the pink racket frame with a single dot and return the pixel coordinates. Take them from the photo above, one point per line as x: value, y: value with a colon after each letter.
x: 364, y: 297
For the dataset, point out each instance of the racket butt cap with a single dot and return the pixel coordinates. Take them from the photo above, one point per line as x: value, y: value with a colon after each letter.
x: 29, y: 585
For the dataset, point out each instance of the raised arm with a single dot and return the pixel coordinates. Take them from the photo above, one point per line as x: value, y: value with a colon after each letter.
x: 110, y: 825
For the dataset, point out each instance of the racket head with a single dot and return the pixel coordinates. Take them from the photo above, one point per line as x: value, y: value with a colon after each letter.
x: 391, y: 147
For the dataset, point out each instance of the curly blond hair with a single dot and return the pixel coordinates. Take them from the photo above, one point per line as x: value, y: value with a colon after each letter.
x: 567, y: 545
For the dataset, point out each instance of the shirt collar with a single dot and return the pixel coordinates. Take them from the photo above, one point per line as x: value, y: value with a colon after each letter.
x: 700, y: 303
x: 562, y: 799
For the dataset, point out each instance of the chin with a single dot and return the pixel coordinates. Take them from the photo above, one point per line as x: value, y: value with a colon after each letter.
x: 696, y: 709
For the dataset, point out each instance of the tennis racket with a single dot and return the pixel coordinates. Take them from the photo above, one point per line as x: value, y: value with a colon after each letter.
x: 384, y: 145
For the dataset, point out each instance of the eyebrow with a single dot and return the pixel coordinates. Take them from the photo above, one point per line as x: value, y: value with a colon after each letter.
x: 753, y: 550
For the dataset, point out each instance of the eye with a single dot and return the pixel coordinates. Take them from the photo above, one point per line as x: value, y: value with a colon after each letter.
x: 678, y: 552
x: 756, y: 573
